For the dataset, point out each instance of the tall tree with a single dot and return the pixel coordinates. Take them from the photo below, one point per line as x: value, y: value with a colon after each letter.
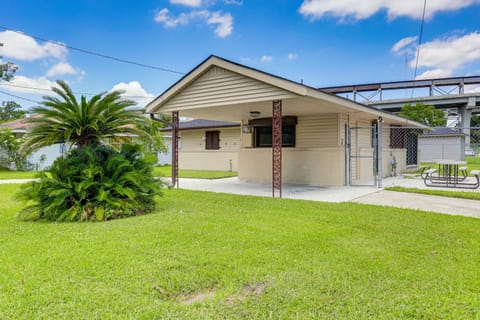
x: 10, y: 155
x: 103, y: 118
x: 424, y: 114
x: 10, y: 110
x: 7, y: 69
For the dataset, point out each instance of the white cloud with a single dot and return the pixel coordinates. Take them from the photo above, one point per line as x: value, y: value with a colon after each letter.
x: 237, y: 2
x: 358, y: 10
x: 292, y: 56
x: 435, y: 74
x: 203, y: 3
x: 472, y: 89
x: 266, y: 59
x: 22, y: 47
x: 190, y: 3
x: 22, y: 84
x: 443, y: 57
x: 222, y: 21
x: 134, y: 91
x: 404, y: 44
x: 60, y: 69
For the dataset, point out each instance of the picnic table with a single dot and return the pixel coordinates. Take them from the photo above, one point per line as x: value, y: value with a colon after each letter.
x: 450, y: 174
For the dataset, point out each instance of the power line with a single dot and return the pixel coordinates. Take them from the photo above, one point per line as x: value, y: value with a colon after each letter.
x: 419, y: 41
x: 81, y: 93
x: 18, y: 97
x: 105, y: 56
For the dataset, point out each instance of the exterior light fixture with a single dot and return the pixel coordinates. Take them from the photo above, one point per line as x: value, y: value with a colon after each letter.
x: 246, y: 128
x: 255, y: 114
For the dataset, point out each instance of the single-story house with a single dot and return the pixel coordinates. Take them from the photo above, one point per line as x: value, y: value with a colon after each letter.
x: 441, y: 143
x: 205, y: 145
x: 289, y: 132
x: 43, y: 158
x: 40, y: 159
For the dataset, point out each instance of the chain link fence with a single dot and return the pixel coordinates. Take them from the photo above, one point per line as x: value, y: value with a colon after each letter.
x: 404, y: 148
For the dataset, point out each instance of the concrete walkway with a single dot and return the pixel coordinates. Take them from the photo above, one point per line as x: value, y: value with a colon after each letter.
x: 446, y: 205
x: 15, y: 181
x: 365, y: 195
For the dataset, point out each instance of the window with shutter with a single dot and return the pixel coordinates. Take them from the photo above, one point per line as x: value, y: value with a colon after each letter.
x: 212, y: 140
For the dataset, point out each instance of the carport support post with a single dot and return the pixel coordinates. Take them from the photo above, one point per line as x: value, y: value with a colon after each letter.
x: 346, y: 142
x: 175, y: 126
x: 379, y: 153
x: 277, y: 148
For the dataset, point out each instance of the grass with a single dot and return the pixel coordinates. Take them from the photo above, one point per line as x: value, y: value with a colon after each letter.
x: 163, y: 171
x: 166, y: 171
x: 241, y: 257
x: 444, y: 193
x: 5, y: 174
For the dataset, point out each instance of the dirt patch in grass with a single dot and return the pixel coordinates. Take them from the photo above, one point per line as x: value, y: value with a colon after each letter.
x: 197, y: 297
x: 256, y: 289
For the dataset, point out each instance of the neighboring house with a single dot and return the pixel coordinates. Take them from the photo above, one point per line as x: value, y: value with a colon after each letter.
x: 206, y: 145
x: 41, y: 159
x: 441, y: 143
x: 315, y: 126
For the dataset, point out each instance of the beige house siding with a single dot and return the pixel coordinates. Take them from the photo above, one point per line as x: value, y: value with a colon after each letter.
x: 317, y: 131
x: 321, y: 167
x: 219, y: 87
x: 193, y: 155
x: 317, y: 159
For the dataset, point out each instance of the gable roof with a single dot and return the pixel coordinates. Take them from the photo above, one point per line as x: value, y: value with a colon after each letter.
x: 192, y: 92
x: 443, y: 132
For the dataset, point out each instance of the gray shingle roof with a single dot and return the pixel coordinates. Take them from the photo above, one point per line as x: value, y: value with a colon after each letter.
x: 443, y: 132
x: 204, y: 124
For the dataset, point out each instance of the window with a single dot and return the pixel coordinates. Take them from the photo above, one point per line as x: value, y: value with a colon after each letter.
x: 263, y: 132
x: 212, y: 140
x: 397, y: 137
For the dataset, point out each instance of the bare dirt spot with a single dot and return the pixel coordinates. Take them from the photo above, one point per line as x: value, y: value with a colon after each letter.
x: 198, y: 297
x: 255, y: 289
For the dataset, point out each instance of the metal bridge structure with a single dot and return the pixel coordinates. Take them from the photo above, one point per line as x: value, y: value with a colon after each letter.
x: 459, y: 94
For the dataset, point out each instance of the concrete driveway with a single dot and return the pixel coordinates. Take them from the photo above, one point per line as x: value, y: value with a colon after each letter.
x: 365, y: 195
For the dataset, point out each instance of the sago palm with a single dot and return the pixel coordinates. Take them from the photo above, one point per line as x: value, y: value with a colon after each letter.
x: 105, y: 117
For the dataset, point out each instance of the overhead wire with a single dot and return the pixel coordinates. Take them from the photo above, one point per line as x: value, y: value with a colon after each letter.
x: 93, y: 53
x: 49, y: 90
x: 420, y: 36
x: 18, y: 97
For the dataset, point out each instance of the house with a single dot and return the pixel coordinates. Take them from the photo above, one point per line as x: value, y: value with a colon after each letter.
x: 205, y: 145
x: 442, y: 143
x: 40, y: 159
x: 43, y: 158
x: 289, y: 132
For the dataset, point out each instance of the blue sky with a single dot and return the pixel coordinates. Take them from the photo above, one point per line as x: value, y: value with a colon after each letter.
x: 319, y: 42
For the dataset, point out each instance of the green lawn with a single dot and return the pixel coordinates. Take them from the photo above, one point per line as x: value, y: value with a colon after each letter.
x: 4, y: 174
x: 163, y: 171
x: 444, y: 193
x: 166, y: 171
x: 217, y: 256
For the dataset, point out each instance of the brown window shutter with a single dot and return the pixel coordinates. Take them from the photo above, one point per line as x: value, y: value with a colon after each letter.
x: 212, y: 140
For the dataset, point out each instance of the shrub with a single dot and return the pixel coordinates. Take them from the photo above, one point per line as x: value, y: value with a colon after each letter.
x: 92, y: 183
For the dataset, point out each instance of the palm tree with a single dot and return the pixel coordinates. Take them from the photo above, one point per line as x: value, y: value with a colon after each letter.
x: 104, y: 117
